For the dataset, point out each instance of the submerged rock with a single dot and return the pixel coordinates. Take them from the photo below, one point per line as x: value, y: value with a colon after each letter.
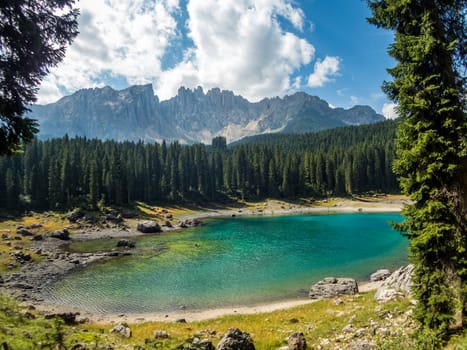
x: 331, y: 287
x: 126, y: 243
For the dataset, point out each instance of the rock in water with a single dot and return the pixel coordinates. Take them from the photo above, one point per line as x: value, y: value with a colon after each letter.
x: 331, y: 287
x: 149, y: 227
x: 126, y: 243
x: 380, y: 275
x: 296, y: 341
x: 397, y: 285
x: 235, y: 339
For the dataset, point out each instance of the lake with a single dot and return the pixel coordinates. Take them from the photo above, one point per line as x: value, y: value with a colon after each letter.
x: 236, y: 261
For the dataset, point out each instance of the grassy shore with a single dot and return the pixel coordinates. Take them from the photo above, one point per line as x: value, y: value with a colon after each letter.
x: 325, y: 324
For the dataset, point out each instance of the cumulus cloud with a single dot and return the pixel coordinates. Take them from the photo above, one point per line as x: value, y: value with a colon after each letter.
x: 389, y: 111
x: 238, y: 45
x: 241, y: 48
x: 324, y: 71
x: 117, y: 38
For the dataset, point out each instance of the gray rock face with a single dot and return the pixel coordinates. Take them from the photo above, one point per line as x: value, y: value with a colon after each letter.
x: 191, y: 116
x: 296, y: 341
x: 397, y: 285
x: 331, y: 287
x: 380, y: 275
x: 235, y: 339
x: 149, y: 227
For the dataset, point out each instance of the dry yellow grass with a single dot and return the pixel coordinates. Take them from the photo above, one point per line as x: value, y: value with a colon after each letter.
x: 318, y: 321
x: 11, y: 241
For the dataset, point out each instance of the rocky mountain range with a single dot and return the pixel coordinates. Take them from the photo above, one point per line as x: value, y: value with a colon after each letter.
x: 191, y: 116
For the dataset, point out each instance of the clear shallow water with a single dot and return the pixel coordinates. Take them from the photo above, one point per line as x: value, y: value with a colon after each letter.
x: 239, y: 261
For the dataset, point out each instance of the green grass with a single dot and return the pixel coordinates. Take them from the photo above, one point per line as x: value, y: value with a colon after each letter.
x: 317, y: 321
x: 21, y: 328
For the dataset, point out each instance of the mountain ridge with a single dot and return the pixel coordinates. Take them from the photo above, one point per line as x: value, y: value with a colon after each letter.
x: 191, y: 116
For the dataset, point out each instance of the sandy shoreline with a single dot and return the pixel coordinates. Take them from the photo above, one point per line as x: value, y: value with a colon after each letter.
x: 34, y: 295
x: 190, y: 315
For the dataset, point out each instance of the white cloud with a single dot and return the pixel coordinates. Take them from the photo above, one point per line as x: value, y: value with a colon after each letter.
x: 241, y: 48
x: 389, y: 111
x: 324, y: 71
x: 354, y: 100
x: 237, y: 45
x: 117, y: 38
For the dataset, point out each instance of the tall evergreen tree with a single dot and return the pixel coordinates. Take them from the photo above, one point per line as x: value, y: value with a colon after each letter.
x: 33, y: 38
x: 429, y: 86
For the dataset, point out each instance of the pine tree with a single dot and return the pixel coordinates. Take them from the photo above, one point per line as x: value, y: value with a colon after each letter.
x: 429, y: 86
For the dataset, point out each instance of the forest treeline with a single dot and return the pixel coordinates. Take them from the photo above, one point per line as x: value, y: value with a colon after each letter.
x: 66, y: 172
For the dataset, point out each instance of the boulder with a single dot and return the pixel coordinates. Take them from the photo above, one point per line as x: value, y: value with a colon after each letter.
x: 114, y: 216
x: 296, y: 341
x: 24, y: 232
x: 75, y: 216
x: 397, y: 285
x: 64, y: 235
x: 126, y: 243
x: 161, y: 335
x: 122, y: 329
x: 68, y: 317
x: 149, y: 227
x: 235, y: 339
x: 22, y: 257
x: 197, y: 344
x: 331, y: 287
x: 190, y: 223
x: 380, y: 275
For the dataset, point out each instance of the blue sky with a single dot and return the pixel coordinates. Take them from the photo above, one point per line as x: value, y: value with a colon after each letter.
x: 256, y: 48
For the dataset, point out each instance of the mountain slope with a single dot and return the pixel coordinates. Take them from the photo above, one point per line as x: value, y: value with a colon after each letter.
x: 191, y: 116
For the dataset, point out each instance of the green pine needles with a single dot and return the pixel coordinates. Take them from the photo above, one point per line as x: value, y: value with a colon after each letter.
x: 429, y: 87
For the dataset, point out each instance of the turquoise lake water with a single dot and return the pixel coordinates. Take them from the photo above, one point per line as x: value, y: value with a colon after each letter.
x: 236, y: 261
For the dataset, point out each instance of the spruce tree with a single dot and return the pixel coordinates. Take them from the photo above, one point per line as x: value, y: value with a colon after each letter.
x: 33, y: 38
x: 429, y: 87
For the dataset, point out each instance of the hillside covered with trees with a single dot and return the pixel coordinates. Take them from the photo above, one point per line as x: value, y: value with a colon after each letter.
x: 66, y: 172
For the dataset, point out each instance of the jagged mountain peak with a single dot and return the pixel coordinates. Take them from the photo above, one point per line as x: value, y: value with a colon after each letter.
x: 193, y: 115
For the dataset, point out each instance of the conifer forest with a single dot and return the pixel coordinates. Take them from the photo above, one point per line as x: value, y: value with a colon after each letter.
x: 67, y: 172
